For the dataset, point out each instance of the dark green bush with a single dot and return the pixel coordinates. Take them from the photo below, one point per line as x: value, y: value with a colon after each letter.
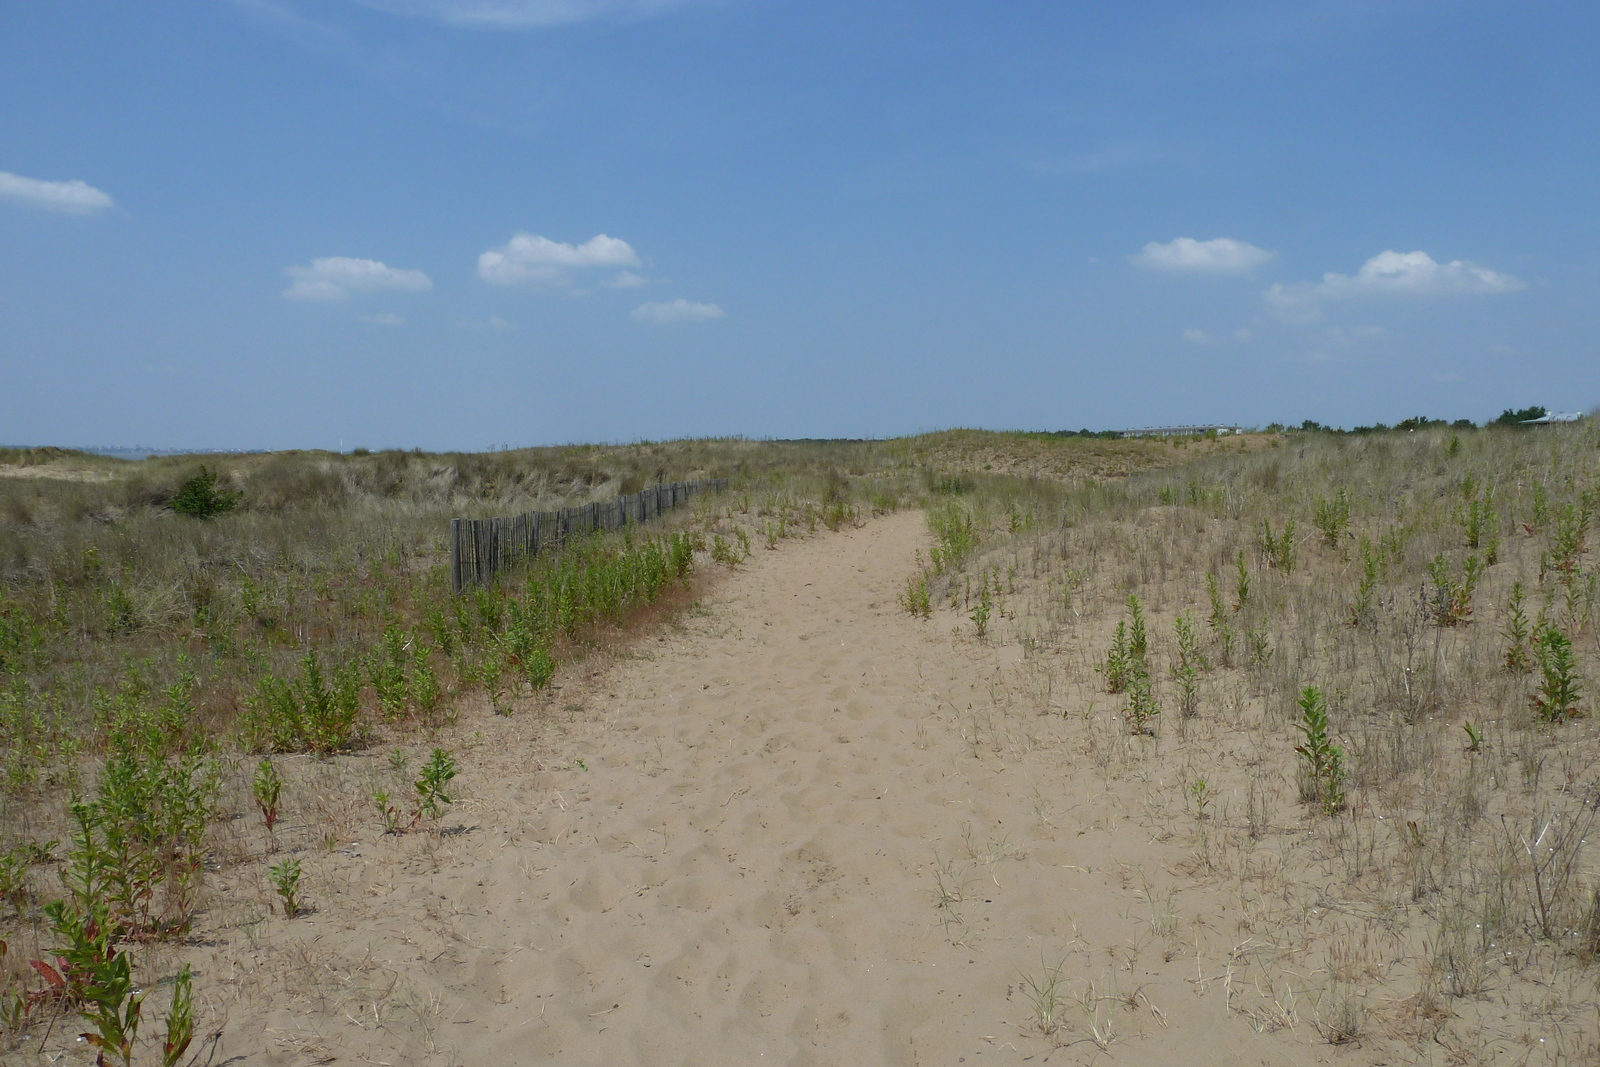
x: 1513, y: 417
x: 200, y: 497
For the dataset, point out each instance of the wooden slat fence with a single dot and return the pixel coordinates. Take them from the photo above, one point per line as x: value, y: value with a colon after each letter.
x: 481, y: 548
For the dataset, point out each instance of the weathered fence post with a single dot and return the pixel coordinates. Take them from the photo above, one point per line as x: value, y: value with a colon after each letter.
x: 480, y: 548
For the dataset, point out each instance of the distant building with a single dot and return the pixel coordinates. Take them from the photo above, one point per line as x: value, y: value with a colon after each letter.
x: 1179, y: 431
x: 1552, y: 417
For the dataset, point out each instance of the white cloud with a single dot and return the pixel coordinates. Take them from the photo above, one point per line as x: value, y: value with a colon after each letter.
x: 73, y: 197
x: 1388, y: 273
x: 1416, y: 272
x: 521, y: 14
x: 1243, y: 333
x: 1221, y: 255
x: 530, y: 258
x: 386, y: 319
x: 679, y: 310
x: 337, y: 277
x: 626, y: 279
x: 1197, y: 336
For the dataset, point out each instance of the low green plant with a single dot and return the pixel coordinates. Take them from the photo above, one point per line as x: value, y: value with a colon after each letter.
x: 121, y: 617
x: 722, y: 551
x: 306, y: 714
x: 1280, y: 550
x: 386, y: 670
x: 267, y: 787
x: 1221, y: 629
x: 285, y: 878
x: 1128, y: 657
x: 1323, y: 760
x: 1474, y: 737
x: 1045, y: 998
x: 1258, y: 648
x: 917, y: 599
x: 1560, y: 688
x: 1518, y: 656
x: 1332, y: 517
x: 387, y: 811
x: 1361, y: 612
x: 1138, y: 638
x: 1480, y: 525
x: 1188, y: 666
x: 1452, y: 596
x: 1538, y: 509
x: 955, y: 536
x: 425, y: 689
x: 1114, y: 668
x: 433, y: 784
x: 1567, y: 541
x: 982, y: 609
x: 138, y: 846
x: 92, y: 973
x: 1241, y: 595
x: 1143, y: 708
x: 180, y: 1019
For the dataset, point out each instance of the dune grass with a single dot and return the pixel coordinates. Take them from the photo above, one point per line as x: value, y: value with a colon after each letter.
x: 1384, y: 648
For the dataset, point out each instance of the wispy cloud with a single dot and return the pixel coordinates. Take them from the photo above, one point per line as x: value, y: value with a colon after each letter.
x: 626, y: 279
x: 388, y: 318
x: 679, y: 310
x: 1197, y: 336
x: 1221, y: 255
x: 73, y: 197
x: 528, y: 257
x: 522, y: 14
x: 1389, y: 273
x: 337, y: 277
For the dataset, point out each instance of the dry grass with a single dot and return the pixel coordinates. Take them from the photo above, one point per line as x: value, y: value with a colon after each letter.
x: 1451, y: 903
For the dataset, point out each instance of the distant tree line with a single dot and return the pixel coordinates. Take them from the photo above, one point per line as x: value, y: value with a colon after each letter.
x: 1509, y: 417
x: 1513, y: 417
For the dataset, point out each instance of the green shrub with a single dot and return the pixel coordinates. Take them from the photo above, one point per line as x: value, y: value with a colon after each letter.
x: 1332, y: 517
x: 955, y: 536
x: 1452, y: 597
x: 200, y: 497
x: 1560, y: 687
x: 1191, y: 662
x: 1115, y: 666
x: 1518, y: 658
x: 308, y: 714
x: 1323, y: 760
x: 432, y: 787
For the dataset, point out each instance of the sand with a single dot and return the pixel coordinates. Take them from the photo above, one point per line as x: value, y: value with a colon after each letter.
x: 796, y: 827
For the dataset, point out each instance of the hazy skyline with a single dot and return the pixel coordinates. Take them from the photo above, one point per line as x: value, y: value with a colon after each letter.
x: 462, y: 223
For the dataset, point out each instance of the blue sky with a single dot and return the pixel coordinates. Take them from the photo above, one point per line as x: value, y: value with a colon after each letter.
x: 467, y: 223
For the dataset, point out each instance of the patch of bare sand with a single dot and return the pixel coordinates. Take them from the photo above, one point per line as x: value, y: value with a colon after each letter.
x: 789, y: 830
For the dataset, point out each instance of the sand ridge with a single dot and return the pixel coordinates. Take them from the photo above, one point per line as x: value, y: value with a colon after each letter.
x: 778, y: 834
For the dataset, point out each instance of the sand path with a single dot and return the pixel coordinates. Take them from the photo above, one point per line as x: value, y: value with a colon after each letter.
x: 736, y: 858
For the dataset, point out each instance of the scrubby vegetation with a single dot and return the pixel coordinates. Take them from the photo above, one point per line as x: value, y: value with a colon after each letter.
x: 161, y: 619
x: 1360, y: 665
x: 1387, y: 713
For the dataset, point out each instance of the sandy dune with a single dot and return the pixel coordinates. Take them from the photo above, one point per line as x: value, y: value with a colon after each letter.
x: 800, y: 828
